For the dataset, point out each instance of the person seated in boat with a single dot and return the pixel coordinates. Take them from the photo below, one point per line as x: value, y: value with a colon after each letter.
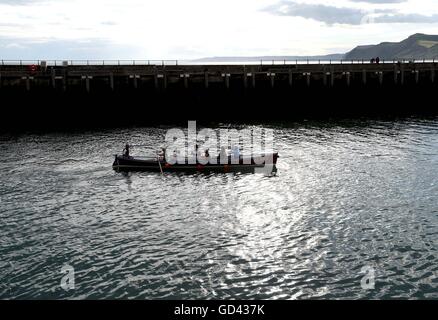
x: 126, y: 151
x: 162, y: 153
x: 223, y: 156
x: 236, y: 154
x: 207, y: 153
x: 198, y: 151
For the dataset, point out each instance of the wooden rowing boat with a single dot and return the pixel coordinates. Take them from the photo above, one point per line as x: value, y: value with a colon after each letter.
x: 243, y: 164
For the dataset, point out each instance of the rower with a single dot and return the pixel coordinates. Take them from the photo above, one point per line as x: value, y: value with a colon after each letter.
x: 235, y: 155
x: 126, y: 151
x: 236, y: 152
x: 223, y: 156
x: 162, y: 153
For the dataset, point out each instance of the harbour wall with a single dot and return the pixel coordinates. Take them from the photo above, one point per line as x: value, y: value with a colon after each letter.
x: 89, y: 78
x: 36, y: 96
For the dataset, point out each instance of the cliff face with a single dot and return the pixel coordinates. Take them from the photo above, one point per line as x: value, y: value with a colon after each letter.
x: 418, y: 46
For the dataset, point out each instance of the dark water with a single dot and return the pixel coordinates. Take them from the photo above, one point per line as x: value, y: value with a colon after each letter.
x: 347, y: 195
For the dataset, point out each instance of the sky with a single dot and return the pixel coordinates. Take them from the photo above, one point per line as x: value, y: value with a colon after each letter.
x: 190, y: 29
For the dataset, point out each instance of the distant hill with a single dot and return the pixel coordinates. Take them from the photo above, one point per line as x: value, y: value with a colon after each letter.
x: 268, y: 58
x: 418, y: 46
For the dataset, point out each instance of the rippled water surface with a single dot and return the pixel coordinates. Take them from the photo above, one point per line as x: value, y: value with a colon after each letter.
x: 347, y: 195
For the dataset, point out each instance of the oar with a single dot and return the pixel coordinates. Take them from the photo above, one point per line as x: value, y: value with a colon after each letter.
x: 159, y: 163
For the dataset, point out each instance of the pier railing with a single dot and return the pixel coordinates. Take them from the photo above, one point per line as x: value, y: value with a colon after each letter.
x: 95, y: 75
x: 88, y: 62
x: 5, y: 62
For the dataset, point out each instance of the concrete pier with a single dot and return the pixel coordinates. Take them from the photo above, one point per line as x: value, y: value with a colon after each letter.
x: 110, y: 94
x: 196, y: 77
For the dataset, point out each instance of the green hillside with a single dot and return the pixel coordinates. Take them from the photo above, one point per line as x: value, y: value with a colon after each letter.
x: 417, y: 46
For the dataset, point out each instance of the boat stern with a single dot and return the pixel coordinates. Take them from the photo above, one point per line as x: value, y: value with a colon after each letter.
x: 116, y: 161
x: 275, y: 158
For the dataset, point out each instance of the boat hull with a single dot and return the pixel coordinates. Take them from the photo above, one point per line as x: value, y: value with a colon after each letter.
x: 122, y: 163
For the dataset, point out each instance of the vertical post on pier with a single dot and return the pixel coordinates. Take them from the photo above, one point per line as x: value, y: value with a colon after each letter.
x: 272, y: 79
x: 348, y: 78
x: 402, y: 73
x: 395, y: 75
x: 332, y: 78
x: 206, y: 79
x: 156, y: 84
x: 308, y: 79
x: 53, y: 78
x: 432, y: 75
x: 27, y: 83
x: 364, y: 77
x: 324, y: 78
x: 87, y: 83
x: 380, y: 77
x: 135, y: 81
x: 64, y: 80
x: 245, y: 79
x: 253, y: 78
x: 227, y: 80
x: 290, y: 78
x: 417, y: 76
x: 165, y: 80
x: 186, y: 80
x: 111, y: 81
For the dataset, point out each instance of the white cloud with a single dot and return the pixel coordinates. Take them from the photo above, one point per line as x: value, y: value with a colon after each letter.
x: 331, y: 14
x: 172, y: 29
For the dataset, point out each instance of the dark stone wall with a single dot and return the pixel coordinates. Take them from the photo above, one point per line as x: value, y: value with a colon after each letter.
x: 48, y: 109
